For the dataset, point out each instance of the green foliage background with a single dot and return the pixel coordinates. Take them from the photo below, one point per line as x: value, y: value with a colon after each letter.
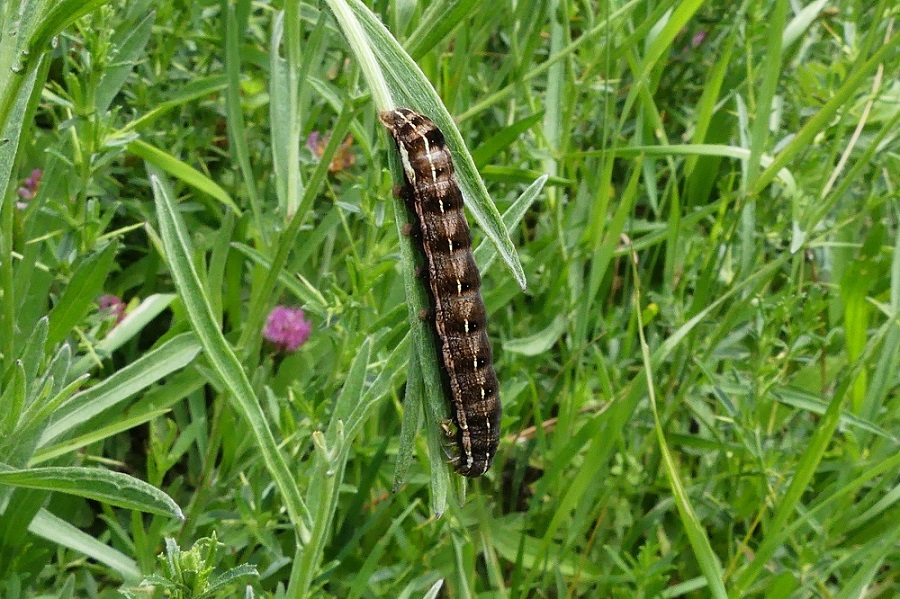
x: 699, y: 382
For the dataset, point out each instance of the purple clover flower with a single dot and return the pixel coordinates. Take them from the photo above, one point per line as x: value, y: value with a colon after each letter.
x: 313, y: 143
x: 287, y: 328
x: 113, y: 306
x: 698, y: 39
x: 29, y: 188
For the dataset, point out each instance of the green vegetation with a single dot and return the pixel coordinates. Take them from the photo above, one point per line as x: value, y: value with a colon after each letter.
x: 699, y: 382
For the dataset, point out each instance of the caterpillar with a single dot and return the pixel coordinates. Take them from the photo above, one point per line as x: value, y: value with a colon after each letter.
x: 453, y: 285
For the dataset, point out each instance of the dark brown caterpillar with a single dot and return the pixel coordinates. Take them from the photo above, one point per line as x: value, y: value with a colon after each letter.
x: 453, y: 284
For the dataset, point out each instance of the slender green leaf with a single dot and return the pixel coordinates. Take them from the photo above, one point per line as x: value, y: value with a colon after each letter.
x: 703, y: 551
x: 169, y: 357
x: 101, y: 485
x: 75, y: 443
x: 540, y: 342
x: 817, y: 123
x: 13, y: 401
x: 235, y: 119
x: 80, y: 294
x: 227, y: 366
x: 63, y: 14
x: 492, y: 146
x: 485, y: 253
x: 58, y: 531
x: 194, y: 89
x: 129, y: 44
x: 182, y: 171
x: 130, y: 326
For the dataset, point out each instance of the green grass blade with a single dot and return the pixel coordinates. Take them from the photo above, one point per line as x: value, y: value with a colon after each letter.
x: 129, y: 44
x: 412, y: 420
x: 815, y: 125
x: 13, y: 401
x: 440, y: 19
x: 228, y: 367
x: 93, y: 436
x: 283, y: 109
x: 801, y: 22
x: 183, y: 172
x: 484, y: 153
x: 881, y: 385
x: 354, y: 406
x: 63, y: 14
x: 235, y: 120
x: 771, y: 68
x: 58, y: 531
x: 587, y: 37
x: 486, y: 253
x: 703, y: 551
x: 252, y: 333
x: 776, y: 529
x: 133, y: 323
x: 190, y: 91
